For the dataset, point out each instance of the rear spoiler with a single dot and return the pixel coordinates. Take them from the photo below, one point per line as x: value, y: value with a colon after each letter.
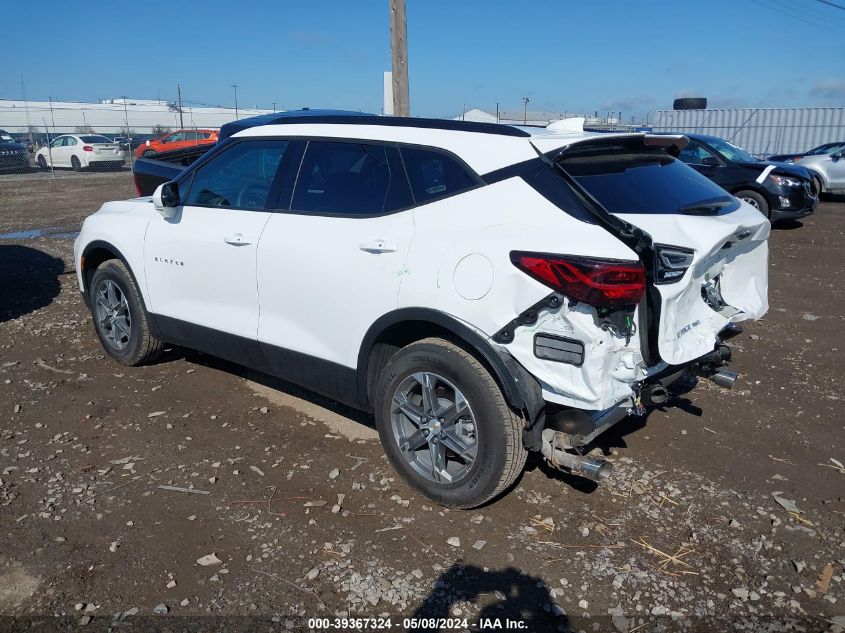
x: 672, y: 143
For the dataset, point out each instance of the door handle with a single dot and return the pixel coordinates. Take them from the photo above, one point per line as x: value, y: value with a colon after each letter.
x: 238, y: 239
x: 378, y: 246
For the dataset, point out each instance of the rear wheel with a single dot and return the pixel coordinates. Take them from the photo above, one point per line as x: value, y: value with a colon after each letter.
x: 75, y: 163
x: 42, y: 162
x: 755, y: 200
x: 119, y: 316
x: 445, y: 425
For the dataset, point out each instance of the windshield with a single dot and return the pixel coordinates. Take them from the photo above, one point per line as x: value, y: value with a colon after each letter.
x: 729, y: 151
x: 647, y: 181
x: 830, y: 148
x: 95, y: 139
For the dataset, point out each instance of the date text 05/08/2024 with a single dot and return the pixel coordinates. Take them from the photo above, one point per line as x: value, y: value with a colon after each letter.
x: 412, y: 624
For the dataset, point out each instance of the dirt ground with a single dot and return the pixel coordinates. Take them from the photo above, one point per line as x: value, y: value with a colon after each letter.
x: 725, y: 511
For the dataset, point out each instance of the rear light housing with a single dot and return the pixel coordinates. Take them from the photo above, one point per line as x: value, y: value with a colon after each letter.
x: 87, y: 148
x: 600, y: 283
x: 671, y: 263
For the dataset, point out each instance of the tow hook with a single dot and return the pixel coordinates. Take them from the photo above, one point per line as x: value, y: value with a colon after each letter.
x: 554, y: 445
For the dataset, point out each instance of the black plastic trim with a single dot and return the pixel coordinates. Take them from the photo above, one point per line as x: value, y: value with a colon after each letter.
x: 315, y: 374
x: 384, y: 121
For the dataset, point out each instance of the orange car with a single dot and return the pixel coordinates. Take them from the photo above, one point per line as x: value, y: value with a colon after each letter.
x: 180, y: 139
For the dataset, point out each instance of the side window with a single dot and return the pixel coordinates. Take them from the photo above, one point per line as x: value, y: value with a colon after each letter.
x: 240, y: 177
x: 69, y: 141
x: 435, y: 175
x: 694, y: 154
x: 191, y: 136
x: 176, y: 136
x: 349, y: 178
x: 59, y: 142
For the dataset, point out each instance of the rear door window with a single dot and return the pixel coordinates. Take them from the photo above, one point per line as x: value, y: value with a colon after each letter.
x: 645, y: 181
x: 435, y: 175
x: 349, y: 179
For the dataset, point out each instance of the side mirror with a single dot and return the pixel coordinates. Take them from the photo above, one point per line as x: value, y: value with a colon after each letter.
x: 837, y: 155
x: 710, y: 161
x: 166, y: 200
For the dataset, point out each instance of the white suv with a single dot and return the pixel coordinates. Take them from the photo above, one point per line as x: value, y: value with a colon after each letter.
x: 484, y: 290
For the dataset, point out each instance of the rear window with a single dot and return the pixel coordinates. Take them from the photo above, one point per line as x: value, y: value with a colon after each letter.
x: 95, y: 139
x: 646, y: 182
x: 435, y: 175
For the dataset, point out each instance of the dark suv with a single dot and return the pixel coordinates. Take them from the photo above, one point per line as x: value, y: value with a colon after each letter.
x: 13, y: 156
x: 780, y: 191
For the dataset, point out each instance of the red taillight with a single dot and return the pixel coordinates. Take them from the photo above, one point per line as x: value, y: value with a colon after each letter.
x: 87, y: 148
x: 596, y: 282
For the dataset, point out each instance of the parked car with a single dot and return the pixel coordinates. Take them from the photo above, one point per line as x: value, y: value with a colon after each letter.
x: 13, y: 155
x: 484, y: 290
x: 81, y: 151
x: 179, y: 139
x: 778, y: 190
x: 27, y: 143
x: 827, y: 170
x: 821, y: 150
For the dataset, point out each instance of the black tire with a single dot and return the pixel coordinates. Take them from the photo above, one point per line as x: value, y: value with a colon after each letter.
x: 690, y: 103
x: 142, y: 347
x: 500, y: 454
x: 816, y: 186
x: 42, y: 163
x: 75, y: 163
x: 149, y: 153
x: 755, y: 200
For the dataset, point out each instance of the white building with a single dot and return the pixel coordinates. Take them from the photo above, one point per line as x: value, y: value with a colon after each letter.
x: 111, y: 117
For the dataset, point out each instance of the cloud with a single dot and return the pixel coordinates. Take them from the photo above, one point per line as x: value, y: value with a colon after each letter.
x: 311, y: 37
x: 828, y: 89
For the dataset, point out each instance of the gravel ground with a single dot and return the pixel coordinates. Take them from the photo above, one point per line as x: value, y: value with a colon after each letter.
x: 166, y: 495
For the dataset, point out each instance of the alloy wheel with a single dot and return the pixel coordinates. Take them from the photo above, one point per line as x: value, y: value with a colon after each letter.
x: 752, y: 202
x: 112, y: 311
x: 434, y: 427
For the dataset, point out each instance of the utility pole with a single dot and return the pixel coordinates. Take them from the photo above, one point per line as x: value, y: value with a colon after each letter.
x: 399, y: 58
x: 26, y: 107
x: 274, y: 106
x: 525, y: 101
x: 236, y: 86
x: 179, y: 94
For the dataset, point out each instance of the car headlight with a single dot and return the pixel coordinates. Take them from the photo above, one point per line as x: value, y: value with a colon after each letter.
x: 785, y: 181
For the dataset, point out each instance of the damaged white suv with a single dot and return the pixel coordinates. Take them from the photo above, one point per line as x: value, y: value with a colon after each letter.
x: 484, y: 290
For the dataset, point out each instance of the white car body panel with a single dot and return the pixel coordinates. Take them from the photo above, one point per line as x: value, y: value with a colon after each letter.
x: 323, y: 281
x: 195, y: 275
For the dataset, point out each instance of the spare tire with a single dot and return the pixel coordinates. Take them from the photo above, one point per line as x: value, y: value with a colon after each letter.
x: 690, y: 103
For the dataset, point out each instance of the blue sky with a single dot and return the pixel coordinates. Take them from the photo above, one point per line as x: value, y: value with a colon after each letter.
x: 564, y: 55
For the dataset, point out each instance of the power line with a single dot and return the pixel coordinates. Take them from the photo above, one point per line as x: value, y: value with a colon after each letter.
x: 832, y: 4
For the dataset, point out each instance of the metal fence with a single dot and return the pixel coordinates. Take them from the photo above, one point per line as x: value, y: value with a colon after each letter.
x: 126, y: 123
x: 760, y: 131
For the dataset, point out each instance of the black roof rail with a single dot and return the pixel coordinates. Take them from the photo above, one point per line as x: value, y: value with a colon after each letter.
x: 341, y: 117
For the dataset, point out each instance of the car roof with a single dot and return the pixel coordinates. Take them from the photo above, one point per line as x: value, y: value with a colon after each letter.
x: 343, y: 117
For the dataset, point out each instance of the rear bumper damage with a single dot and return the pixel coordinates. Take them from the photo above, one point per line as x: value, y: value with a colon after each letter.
x: 567, y: 432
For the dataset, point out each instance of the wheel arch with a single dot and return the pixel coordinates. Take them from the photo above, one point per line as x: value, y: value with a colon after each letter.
x: 407, y: 325
x: 95, y: 253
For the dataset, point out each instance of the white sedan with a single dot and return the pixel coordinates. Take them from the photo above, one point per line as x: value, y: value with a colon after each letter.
x: 81, y: 151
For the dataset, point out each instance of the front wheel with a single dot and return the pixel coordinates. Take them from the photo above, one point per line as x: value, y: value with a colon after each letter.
x: 755, y: 200
x: 119, y: 316
x: 816, y: 186
x: 42, y: 163
x: 148, y: 153
x: 445, y: 425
